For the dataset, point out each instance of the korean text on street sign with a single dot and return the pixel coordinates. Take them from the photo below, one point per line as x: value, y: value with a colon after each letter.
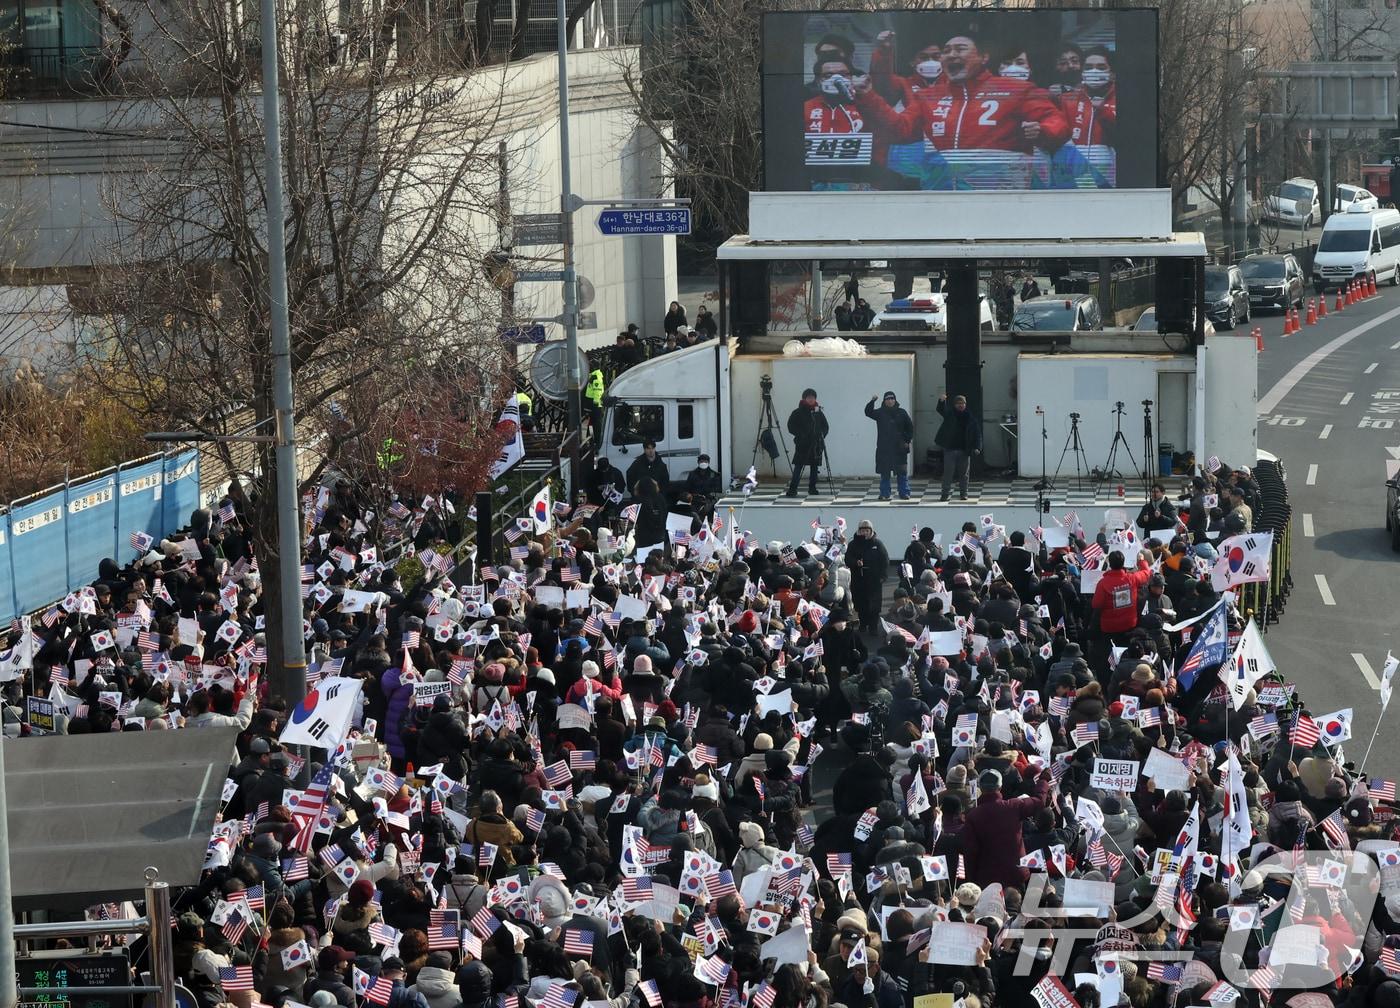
x: 669, y: 221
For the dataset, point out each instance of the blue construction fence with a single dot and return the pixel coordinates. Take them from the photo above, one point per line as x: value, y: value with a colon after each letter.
x: 52, y: 542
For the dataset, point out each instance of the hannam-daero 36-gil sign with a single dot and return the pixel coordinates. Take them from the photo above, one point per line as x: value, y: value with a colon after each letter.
x: 657, y: 221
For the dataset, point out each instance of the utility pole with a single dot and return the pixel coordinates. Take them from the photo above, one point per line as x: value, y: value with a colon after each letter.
x: 289, y: 682
x: 567, y: 206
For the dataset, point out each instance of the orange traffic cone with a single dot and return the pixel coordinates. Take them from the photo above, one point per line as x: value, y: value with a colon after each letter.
x: 1287, y: 323
x: 1371, y: 286
x: 1312, y: 311
x: 1322, y: 305
x: 1341, y: 303
x: 1259, y: 339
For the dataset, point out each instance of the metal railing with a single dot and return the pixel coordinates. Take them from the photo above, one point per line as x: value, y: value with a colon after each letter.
x: 1264, y: 601
x: 71, y: 66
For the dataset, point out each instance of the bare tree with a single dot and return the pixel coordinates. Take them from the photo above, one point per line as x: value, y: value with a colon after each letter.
x: 389, y: 168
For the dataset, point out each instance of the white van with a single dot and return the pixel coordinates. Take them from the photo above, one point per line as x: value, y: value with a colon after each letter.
x: 1359, y: 243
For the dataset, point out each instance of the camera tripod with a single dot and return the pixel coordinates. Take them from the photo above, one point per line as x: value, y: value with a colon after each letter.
x: 1109, y: 471
x: 1081, y: 459
x: 1147, y: 453
x: 767, y: 424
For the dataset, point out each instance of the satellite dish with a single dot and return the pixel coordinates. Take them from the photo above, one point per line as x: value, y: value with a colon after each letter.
x: 585, y: 292
x: 549, y: 370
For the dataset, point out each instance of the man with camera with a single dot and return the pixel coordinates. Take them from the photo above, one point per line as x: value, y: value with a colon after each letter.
x: 808, y: 427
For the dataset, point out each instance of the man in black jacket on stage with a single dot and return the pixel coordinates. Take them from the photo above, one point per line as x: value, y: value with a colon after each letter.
x: 808, y: 427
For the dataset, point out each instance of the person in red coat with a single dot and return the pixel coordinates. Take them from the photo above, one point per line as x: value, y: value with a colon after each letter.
x: 1116, y: 597
x: 992, y: 842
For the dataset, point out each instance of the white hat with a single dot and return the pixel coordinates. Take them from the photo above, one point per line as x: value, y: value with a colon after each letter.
x: 545, y: 675
x: 590, y: 670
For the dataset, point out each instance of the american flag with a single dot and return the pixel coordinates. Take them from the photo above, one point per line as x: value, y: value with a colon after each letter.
x: 593, y: 626
x: 1305, y: 731
x: 331, y: 855
x: 1382, y: 790
x: 444, y: 929
x: 534, y: 820
x: 650, y: 993
x: 1085, y: 733
x: 763, y: 996
x: 569, y: 574
x: 1335, y: 827
x: 140, y: 541
x: 1092, y: 551
x: 411, y: 640
x: 237, y: 978
x: 226, y: 513
x: 1059, y: 705
x: 578, y: 941
x: 1165, y: 972
x: 1263, y: 726
x: 636, y: 888
x: 382, y: 934
x: 294, y: 869
x: 721, y: 884
x: 705, y: 754
x: 838, y: 864
x: 1213, y: 464
x: 758, y: 787
x: 1390, y: 961
x: 484, y: 923
x: 1149, y: 717
x: 458, y: 671
x: 235, y: 925
x: 559, y: 996
x: 256, y: 897
x: 318, y: 790
x: 1300, y: 843
x: 380, y: 991
x: 147, y: 641
x: 712, y: 970
x: 558, y: 774
x: 629, y: 513
x: 581, y: 760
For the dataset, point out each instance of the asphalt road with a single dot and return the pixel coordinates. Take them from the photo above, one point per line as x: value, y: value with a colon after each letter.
x: 1329, y: 408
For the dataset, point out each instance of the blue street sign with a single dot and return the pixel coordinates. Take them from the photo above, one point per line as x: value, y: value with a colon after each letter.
x: 539, y: 276
x: 517, y: 335
x: 659, y: 221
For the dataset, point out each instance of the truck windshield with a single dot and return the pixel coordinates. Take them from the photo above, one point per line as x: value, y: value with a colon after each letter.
x: 1351, y: 240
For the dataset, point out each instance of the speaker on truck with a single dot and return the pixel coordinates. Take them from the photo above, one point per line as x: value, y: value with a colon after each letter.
x: 749, y: 298
x: 1178, y: 293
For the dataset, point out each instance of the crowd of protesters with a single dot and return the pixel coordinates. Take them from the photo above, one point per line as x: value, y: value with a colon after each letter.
x: 728, y: 773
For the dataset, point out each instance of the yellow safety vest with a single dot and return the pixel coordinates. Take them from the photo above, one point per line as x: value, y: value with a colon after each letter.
x: 594, y: 392
x: 525, y: 404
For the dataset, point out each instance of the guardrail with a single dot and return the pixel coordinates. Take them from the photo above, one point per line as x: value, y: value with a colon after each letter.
x: 1265, y: 601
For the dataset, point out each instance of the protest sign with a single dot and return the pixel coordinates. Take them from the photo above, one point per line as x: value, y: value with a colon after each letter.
x: 1115, y: 775
x: 1167, y: 771
x: 40, y: 715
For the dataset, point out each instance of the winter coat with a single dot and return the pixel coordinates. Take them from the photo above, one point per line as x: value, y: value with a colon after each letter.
x: 438, y: 987
x: 894, y: 433
x: 808, y: 429
x: 443, y: 741
x: 869, y: 563
x: 400, y: 696
x: 993, y: 844
x: 960, y: 431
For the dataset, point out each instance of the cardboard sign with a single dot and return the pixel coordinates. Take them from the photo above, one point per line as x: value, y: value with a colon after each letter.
x: 1115, y: 775
x: 1166, y: 771
x: 425, y: 692
x: 955, y: 944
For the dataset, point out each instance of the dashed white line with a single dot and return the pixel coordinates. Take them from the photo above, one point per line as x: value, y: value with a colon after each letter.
x: 1312, y: 475
x: 1367, y: 672
x: 1326, y: 433
x: 1395, y: 346
x: 1307, y: 526
x: 1324, y: 591
x: 1346, y: 399
x: 1374, y: 365
x: 1269, y: 402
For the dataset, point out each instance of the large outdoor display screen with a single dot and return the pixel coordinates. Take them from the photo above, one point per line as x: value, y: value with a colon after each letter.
x: 949, y: 99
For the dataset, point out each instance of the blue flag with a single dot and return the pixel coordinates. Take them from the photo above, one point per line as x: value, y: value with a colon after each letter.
x: 1208, y: 648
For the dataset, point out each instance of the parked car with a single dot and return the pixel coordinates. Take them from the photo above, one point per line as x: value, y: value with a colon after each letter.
x: 1147, y: 321
x: 1058, y: 313
x: 1274, y: 280
x: 1350, y: 196
x: 1295, y: 203
x: 925, y: 313
x: 1227, y: 296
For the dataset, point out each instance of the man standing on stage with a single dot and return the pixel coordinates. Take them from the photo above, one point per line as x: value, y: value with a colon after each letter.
x: 808, y: 427
x: 960, y: 437
x: 894, y: 433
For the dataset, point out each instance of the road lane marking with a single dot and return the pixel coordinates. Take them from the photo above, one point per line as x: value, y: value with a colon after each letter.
x: 1374, y: 365
x: 1395, y: 346
x: 1324, y: 591
x: 1312, y: 474
x: 1367, y: 672
x: 1307, y: 526
x: 1326, y: 433
x: 1285, y: 385
x: 1346, y: 399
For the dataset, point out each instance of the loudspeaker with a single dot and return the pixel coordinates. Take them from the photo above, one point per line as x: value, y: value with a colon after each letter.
x: 749, y: 298
x: 1176, y: 296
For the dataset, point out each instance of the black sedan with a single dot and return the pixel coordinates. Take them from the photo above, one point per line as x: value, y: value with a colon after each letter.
x: 1227, y: 296
x: 1274, y: 281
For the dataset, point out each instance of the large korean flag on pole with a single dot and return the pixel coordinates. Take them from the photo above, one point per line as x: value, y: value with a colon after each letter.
x: 1243, y: 558
x: 323, y: 719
